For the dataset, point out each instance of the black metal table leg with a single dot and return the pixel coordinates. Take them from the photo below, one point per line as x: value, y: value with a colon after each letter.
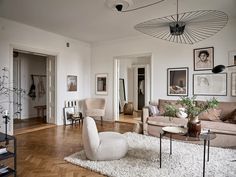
x: 160, y: 149
x: 208, y: 151
x: 15, y: 167
x: 208, y: 147
x: 170, y: 144
x: 204, y: 160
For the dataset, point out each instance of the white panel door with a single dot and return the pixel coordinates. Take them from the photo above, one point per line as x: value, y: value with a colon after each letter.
x: 51, y: 89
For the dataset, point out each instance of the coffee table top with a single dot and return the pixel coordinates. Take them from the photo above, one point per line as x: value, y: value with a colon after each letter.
x: 175, y: 130
x: 180, y: 133
x: 207, y: 136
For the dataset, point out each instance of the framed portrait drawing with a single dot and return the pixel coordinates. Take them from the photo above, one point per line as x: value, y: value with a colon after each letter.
x: 232, y: 57
x: 68, y: 111
x: 71, y: 83
x: 210, y: 84
x: 177, y: 81
x: 203, y: 58
x: 233, y: 84
x: 101, y: 84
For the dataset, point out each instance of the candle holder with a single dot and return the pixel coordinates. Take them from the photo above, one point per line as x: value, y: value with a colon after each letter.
x: 6, y: 120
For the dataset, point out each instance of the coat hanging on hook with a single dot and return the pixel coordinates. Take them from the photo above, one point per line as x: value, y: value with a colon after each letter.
x: 32, y: 92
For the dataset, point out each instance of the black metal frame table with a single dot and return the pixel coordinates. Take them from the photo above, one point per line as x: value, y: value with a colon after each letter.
x: 6, y: 138
x: 182, y: 135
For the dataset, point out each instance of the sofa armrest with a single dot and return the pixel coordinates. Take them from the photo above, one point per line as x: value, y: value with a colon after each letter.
x: 145, y: 115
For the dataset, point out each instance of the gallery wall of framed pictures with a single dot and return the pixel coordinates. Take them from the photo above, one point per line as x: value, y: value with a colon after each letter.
x: 204, y: 82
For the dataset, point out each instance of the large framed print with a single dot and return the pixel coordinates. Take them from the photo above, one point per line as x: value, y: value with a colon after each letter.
x: 210, y: 84
x: 203, y: 58
x: 233, y: 84
x: 177, y: 81
x: 101, y: 84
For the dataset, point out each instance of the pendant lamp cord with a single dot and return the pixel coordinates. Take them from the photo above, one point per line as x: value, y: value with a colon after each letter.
x: 143, y: 6
x: 177, y: 11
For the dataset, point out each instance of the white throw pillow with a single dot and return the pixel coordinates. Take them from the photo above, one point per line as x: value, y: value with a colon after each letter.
x: 181, y: 113
x: 153, y: 110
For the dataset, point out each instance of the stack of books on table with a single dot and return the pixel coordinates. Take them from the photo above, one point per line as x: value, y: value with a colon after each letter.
x: 3, y: 169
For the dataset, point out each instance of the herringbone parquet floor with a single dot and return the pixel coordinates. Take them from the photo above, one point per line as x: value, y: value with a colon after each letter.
x: 41, y: 153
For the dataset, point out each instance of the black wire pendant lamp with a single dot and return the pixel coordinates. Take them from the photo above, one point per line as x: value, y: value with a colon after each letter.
x: 187, y: 27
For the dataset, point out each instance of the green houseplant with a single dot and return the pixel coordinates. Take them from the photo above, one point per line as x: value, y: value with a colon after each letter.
x: 192, y: 109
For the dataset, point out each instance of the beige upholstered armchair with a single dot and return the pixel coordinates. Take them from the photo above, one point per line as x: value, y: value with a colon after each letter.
x: 95, y: 107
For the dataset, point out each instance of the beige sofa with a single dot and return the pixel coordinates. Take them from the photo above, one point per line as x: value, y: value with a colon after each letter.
x: 226, y: 132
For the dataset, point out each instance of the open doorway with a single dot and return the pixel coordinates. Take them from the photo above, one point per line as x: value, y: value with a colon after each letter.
x: 133, y: 87
x: 34, y: 73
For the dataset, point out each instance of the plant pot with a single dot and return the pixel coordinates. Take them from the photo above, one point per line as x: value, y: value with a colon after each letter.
x: 194, y: 127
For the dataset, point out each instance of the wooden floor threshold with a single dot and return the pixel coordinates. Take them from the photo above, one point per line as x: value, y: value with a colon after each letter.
x: 33, y: 129
x: 124, y: 121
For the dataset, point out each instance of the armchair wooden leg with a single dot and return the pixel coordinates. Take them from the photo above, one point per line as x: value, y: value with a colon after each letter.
x: 101, y: 120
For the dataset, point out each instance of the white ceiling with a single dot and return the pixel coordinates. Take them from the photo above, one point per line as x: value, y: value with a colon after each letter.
x: 93, y: 21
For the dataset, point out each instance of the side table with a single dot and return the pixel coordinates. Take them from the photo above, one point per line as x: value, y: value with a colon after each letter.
x: 206, y: 137
x: 76, y: 118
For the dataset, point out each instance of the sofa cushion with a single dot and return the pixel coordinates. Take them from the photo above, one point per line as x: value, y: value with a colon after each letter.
x: 162, y: 104
x: 153, y: 110
x: 226, y: 107
x: 181, y: 113
x: 231, y: 117
x: 211, y: 114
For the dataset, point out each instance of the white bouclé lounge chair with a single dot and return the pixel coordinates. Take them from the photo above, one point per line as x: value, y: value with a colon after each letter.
x: 104, y: 145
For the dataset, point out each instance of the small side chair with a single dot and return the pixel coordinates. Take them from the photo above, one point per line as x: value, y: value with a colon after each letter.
x: 95, y: 107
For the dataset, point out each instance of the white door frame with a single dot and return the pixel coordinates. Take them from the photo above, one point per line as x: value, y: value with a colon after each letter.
x: 116, y: 89
x: 116, y: 66
x: 36, y: 52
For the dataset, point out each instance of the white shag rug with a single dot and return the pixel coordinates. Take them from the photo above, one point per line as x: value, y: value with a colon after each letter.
x: 142, y: 160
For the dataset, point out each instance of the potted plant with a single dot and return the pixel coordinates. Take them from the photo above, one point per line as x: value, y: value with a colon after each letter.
x: 192, y: 109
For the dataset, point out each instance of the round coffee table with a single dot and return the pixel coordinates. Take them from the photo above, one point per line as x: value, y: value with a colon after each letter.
x: 180, y: 133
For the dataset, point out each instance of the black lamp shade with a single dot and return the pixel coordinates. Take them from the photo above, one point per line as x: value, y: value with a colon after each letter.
x: 119, y: 7
x: 218, y: 69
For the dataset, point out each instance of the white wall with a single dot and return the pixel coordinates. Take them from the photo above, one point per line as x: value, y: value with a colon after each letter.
x: 164, y: 55
x: 74, y: 60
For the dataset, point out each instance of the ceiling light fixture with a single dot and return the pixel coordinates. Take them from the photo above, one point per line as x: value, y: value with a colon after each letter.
x: 124, y: 5
x: 187, y: 27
